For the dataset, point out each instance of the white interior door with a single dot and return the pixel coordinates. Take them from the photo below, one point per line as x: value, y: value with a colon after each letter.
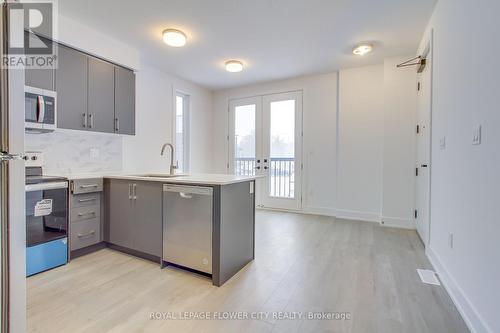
x: 265, y: 138
x: 423, y: 152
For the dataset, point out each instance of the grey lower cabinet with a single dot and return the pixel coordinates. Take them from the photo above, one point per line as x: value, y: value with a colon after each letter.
x: 124, y: 101
x: 101, y: 96
x: 86, y: 228
x: 134, y: 215
x: 71, y: 83
x: 39, y: 78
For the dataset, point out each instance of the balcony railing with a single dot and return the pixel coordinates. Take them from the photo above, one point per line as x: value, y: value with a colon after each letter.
x: 281, y: 174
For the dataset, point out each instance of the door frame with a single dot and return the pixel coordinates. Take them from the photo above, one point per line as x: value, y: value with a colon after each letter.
x: 428, y: 53
x: 258, y: 100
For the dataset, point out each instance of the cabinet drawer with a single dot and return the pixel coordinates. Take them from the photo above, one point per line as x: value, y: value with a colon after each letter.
x: 85, y: 213
x: 85, y: 200
x: 87, y: 185
x: 85, y: 233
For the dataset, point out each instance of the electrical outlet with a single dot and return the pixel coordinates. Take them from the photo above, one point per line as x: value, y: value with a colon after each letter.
x: 94, y: 153
x: 450, y: 240
x: 476, y: 135
x: 442, y: 143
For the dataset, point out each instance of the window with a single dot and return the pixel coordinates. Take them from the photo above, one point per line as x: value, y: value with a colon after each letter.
x: 182, y: 131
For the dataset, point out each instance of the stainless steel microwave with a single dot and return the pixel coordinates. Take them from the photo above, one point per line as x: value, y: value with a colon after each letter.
x: 40, y: 110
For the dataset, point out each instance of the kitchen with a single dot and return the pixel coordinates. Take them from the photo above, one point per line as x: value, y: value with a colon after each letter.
x: 193, y: 166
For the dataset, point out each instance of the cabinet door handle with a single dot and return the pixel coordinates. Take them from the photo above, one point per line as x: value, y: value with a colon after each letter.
x: 117, y: 124
x: 91, y: 119
x: 84, y: 120
x: 134, y: 190
x: 130, y: 191
x: 92, y: 233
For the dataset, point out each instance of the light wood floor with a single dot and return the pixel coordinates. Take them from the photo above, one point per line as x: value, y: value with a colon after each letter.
x: 303, y: 264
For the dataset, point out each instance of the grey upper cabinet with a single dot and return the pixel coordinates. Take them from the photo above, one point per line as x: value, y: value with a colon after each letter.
x: 39, y: 78
x: 120, y: 213
x: 71, y: 86
x: 148, y: 217
x: 101, y: 101
x: 124, y: 101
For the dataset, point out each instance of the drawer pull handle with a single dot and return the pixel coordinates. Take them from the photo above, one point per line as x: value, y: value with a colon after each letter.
x: 92, y: 233
x: 89, y: 186
x: 88, y: 213
x: 86, y: 200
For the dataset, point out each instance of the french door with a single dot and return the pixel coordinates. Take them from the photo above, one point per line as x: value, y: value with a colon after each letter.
x: 265, y: 139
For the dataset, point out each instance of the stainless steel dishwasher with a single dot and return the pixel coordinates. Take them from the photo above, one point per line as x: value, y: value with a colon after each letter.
x: 187, y: 226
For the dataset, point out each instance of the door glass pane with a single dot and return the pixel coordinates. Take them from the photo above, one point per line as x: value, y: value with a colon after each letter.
x: 244, y: 140
x: 282, y: 167
x: 179, y: 131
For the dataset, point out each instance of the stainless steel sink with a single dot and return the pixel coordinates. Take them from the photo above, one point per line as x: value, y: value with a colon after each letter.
x: 157, y: 175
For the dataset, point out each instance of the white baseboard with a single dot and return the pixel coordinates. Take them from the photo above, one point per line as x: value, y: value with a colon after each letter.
x: 325, y: 211
x: 357, y: 215
x: 342, y: 214
x: 398, y: 222
x: 469, y: 313
x: 395, y: 222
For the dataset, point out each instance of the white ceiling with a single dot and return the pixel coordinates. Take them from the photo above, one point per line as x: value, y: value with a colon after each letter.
x: 274, y: 38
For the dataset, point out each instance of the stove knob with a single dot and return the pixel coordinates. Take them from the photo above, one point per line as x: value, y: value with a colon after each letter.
x: 34, y: 158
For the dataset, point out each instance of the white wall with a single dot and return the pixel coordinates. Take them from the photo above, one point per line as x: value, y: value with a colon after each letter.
x: 360, y: 132
x: 154, y: 123
x: 465, y: 180
x: 399, y: 139
x: 345, y: 128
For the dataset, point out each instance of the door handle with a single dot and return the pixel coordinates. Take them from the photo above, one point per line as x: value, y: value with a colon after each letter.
x: 91, y: 119
x: 424, y: 166
x: 130, y: 191
x: 117, y: 124
x: 84, y: 120
x: 134, y: 191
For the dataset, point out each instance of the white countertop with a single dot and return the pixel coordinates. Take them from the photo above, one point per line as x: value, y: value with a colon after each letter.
x: 199, y: 179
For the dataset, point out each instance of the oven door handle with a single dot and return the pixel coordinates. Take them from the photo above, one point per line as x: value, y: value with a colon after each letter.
x: 46, y: 186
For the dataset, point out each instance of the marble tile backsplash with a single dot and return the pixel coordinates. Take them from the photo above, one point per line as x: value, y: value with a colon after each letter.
x: 74, y: 152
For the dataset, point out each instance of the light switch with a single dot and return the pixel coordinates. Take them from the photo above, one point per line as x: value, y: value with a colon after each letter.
x: 476, y: 135
x: 442, y: 143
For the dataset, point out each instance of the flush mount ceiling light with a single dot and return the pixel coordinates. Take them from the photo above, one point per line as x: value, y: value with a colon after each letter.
x: 362, y: 49
x: 175, y: 38
x: 234, y: 66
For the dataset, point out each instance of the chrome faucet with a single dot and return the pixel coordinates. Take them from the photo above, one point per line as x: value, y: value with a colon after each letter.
x: 172, y: 165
